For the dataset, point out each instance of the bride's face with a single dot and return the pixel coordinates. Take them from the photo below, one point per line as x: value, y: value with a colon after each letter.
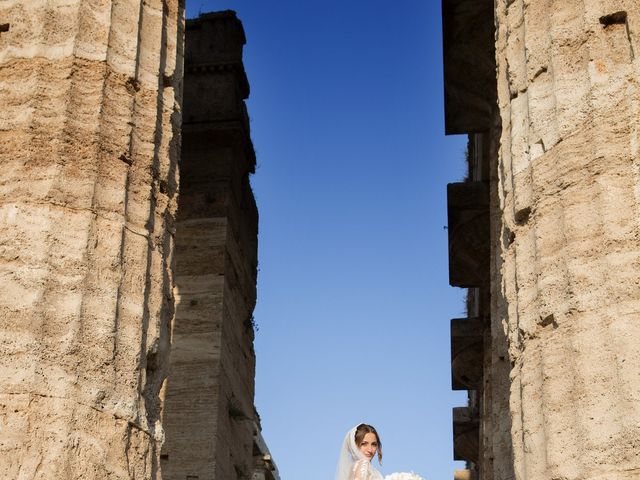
x: 369, y: 445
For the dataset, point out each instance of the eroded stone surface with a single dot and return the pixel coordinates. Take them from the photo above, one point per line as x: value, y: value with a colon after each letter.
x: 88, y: 127
x: 567, y: 291
x: 561, y: 376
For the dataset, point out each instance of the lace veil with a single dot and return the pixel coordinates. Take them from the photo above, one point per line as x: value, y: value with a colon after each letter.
x: 349, y: 454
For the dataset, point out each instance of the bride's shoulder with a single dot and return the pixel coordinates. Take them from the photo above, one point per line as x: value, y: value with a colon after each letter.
x: 360, y: 470
x: 362, y: 464
x: 364, y: 469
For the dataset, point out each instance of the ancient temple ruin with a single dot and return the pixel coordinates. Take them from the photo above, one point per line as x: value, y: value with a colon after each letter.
x: 544, y: 234
x: 128, y: 237
x: 210, y: 422
x: 104, y: 267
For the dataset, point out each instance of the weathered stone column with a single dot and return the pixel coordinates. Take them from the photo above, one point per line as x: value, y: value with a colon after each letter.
x: 568, y: 291
x: 89, y: 118
x: 209, y: 413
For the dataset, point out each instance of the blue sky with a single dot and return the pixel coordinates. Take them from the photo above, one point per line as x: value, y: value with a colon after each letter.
x: 353, y: 305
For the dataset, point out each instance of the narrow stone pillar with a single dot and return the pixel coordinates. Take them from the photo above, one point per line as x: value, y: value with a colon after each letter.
x: 89, y: 118
x: 209, y: 413
x: 568, y: 292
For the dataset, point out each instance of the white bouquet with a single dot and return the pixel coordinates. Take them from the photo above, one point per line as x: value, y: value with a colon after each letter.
x: 403, y: 476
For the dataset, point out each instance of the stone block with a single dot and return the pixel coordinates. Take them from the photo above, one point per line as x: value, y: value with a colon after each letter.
x: 468, y: 227
x: 466, y: 435
x: 466, y: 353
x: 468, y: 47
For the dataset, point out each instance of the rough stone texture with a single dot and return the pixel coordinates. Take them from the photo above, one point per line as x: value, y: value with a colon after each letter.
x: 560, y: 390
x: 209, y: 413
x: 567, y: 256
x: 89, y: 119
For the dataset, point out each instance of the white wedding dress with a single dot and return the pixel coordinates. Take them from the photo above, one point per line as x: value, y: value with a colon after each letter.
x: 352, y: 464
x: 363, y: 470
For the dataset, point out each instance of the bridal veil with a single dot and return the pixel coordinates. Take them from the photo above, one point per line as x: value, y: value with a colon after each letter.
x: 349, y: 454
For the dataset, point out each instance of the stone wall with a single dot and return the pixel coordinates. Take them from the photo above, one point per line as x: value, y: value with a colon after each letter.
x: 89, y: 119
x: 209, y: 414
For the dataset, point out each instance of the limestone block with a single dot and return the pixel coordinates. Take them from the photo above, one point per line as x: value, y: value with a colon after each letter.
x: 466, y: 353
x: 465, y: 435
x: 462, y: 475
x: 468, y: 229
x: 468, y: 27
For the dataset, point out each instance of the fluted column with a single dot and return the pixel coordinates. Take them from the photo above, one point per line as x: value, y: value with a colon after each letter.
x: 568, y: 294
x: 89, y: 112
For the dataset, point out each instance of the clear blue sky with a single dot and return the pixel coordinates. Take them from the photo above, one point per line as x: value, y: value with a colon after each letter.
x: 353, y: 305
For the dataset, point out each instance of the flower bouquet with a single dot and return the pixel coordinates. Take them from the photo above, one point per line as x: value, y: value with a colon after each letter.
x: 403, y: 476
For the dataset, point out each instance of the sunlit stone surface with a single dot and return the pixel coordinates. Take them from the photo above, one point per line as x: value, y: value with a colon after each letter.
x: 89, y: 128
x: 561, y: 378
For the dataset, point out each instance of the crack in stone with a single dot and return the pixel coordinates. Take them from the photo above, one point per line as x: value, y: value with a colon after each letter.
x: 114, y: 415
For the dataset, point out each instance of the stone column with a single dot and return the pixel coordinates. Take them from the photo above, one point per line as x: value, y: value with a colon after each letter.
x: 89, y: 118
x: 209, y: 413
x: 568, y: 288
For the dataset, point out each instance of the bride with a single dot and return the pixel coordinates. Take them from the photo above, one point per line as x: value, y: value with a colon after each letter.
x: 360, y: 445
